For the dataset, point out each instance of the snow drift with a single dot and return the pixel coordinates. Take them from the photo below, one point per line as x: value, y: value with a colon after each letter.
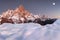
x: 30, y: 31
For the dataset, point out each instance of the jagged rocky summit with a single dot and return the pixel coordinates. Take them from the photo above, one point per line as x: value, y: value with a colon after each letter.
x: 21, y: 15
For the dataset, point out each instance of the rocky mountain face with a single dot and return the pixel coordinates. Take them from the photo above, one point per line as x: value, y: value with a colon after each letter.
x: 21, y: 15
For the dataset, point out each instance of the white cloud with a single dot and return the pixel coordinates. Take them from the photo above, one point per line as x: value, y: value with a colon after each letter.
x: 33, y: 32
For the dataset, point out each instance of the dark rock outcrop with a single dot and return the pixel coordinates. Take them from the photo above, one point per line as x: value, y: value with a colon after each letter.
x: 50, y: 21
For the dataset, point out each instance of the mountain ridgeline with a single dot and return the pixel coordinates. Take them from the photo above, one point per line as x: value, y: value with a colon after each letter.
x: 21, y: 15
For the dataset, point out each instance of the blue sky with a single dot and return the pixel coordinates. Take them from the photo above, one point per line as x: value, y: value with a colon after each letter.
x: 34, y: 6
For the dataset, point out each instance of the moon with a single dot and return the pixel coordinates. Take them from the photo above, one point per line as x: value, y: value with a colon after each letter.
x: 53, y: 3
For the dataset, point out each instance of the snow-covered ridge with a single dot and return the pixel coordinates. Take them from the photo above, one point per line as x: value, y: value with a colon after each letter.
x: 30, y: 31
x: 21, y: 15
x: 18, y: 15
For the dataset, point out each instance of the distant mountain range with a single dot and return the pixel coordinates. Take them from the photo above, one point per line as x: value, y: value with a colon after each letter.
x: 21, y: 15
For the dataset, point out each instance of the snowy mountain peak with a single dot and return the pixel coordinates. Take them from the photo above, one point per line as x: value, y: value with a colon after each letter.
x: 21, y: 15
x: 18, y: 15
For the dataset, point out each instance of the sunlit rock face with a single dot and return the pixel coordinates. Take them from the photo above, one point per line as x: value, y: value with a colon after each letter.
x: 7, y: 14
x: 21, y: 15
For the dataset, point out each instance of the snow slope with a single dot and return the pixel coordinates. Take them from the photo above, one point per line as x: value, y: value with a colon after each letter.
x: 30, y: 31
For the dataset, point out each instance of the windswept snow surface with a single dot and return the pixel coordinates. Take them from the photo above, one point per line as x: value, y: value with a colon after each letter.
x: 30, y: 31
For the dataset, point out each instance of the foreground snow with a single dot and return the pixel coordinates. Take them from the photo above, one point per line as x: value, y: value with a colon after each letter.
x: 30, y: 31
